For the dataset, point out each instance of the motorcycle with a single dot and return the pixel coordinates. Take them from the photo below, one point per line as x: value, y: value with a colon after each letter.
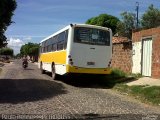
x: 25, y: 64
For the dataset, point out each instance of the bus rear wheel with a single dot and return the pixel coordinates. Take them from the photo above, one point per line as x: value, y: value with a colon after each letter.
x: 41, y: 68
x: 53, y: 72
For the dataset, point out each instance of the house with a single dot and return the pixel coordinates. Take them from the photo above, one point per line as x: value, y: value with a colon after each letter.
x: 146, y: 52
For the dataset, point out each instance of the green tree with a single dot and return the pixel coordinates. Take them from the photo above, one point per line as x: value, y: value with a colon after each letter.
x: 31, y: 49
x: 34, y: 51
x: 126, y: 25
x: 151, y: 18
x: 25, y: 49
x: 104, y: 20
x: 6, y: 51
x: 7, y: 8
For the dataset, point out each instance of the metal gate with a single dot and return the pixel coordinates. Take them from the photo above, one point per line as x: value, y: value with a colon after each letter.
x: 146, y: 56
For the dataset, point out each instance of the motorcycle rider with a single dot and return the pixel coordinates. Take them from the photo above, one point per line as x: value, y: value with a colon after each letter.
x: 25, y: 60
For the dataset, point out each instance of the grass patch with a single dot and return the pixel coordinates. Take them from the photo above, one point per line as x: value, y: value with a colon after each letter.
x: 116, y: 77
x: 116, y: 73
x: 149, y: 94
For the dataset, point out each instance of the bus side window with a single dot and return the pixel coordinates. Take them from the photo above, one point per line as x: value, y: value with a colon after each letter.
x: 45, y: 46
x: 44, y: 49
x: 60, y: 45
x: 54, y: 43
x: 49, y: 48
x: 65, y: 40
x: 61, y: 38
x: 41, y: 49
x: 65, y: 45
x: 54, y: 47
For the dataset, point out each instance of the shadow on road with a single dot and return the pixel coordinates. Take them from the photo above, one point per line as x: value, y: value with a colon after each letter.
x: 26, y: 90
x: 93, y: 81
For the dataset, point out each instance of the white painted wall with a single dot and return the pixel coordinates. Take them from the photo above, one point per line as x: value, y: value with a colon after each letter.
x: 136, y: 57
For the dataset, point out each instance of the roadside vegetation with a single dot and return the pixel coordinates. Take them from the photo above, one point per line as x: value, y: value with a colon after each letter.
x: 146, y: 93
x: 5, y: 55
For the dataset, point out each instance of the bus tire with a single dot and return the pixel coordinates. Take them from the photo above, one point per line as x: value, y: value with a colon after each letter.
x: 53, y: 72
x: 41, y: 68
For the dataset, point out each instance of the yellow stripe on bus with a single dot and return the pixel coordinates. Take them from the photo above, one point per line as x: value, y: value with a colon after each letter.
x: 73, y: 69
x: 58, y: 57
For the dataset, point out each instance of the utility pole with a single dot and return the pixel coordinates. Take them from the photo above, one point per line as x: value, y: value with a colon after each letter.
x: 137, y: 10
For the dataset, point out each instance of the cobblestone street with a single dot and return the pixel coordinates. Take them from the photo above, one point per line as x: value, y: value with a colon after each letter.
x: 29, y: 92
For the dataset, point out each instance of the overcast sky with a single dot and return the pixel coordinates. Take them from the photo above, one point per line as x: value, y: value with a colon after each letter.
x: 37, y: 19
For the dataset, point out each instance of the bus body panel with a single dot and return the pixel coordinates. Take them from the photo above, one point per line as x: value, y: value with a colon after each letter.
x: 60, y: 68
x: 90, y: 56
x: 58, y: 57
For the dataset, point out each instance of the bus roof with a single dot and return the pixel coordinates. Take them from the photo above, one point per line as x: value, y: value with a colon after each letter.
x: 91, y: 26
x: 74, y: 25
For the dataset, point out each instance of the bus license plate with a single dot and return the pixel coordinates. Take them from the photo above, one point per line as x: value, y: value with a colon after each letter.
x: 90, y: 63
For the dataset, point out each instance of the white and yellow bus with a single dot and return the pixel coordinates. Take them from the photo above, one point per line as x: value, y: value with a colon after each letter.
x: 77, y: 48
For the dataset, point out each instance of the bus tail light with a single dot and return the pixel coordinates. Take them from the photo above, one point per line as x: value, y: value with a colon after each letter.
x: 71, y: 63
x: 70, y: 60
x: 109, y: 64
x: 69, y: 56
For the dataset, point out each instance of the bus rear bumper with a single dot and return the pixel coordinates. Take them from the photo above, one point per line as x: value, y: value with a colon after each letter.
x: 73, y: 69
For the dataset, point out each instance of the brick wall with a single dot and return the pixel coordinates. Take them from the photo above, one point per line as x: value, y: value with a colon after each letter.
x: 155, y: 34
x: 122, y: 57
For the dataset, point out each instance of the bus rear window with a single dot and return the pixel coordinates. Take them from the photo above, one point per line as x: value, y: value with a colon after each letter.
x: 91, y: 36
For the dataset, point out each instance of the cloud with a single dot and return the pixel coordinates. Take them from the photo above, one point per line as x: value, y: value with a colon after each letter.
x: 15, y: 44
